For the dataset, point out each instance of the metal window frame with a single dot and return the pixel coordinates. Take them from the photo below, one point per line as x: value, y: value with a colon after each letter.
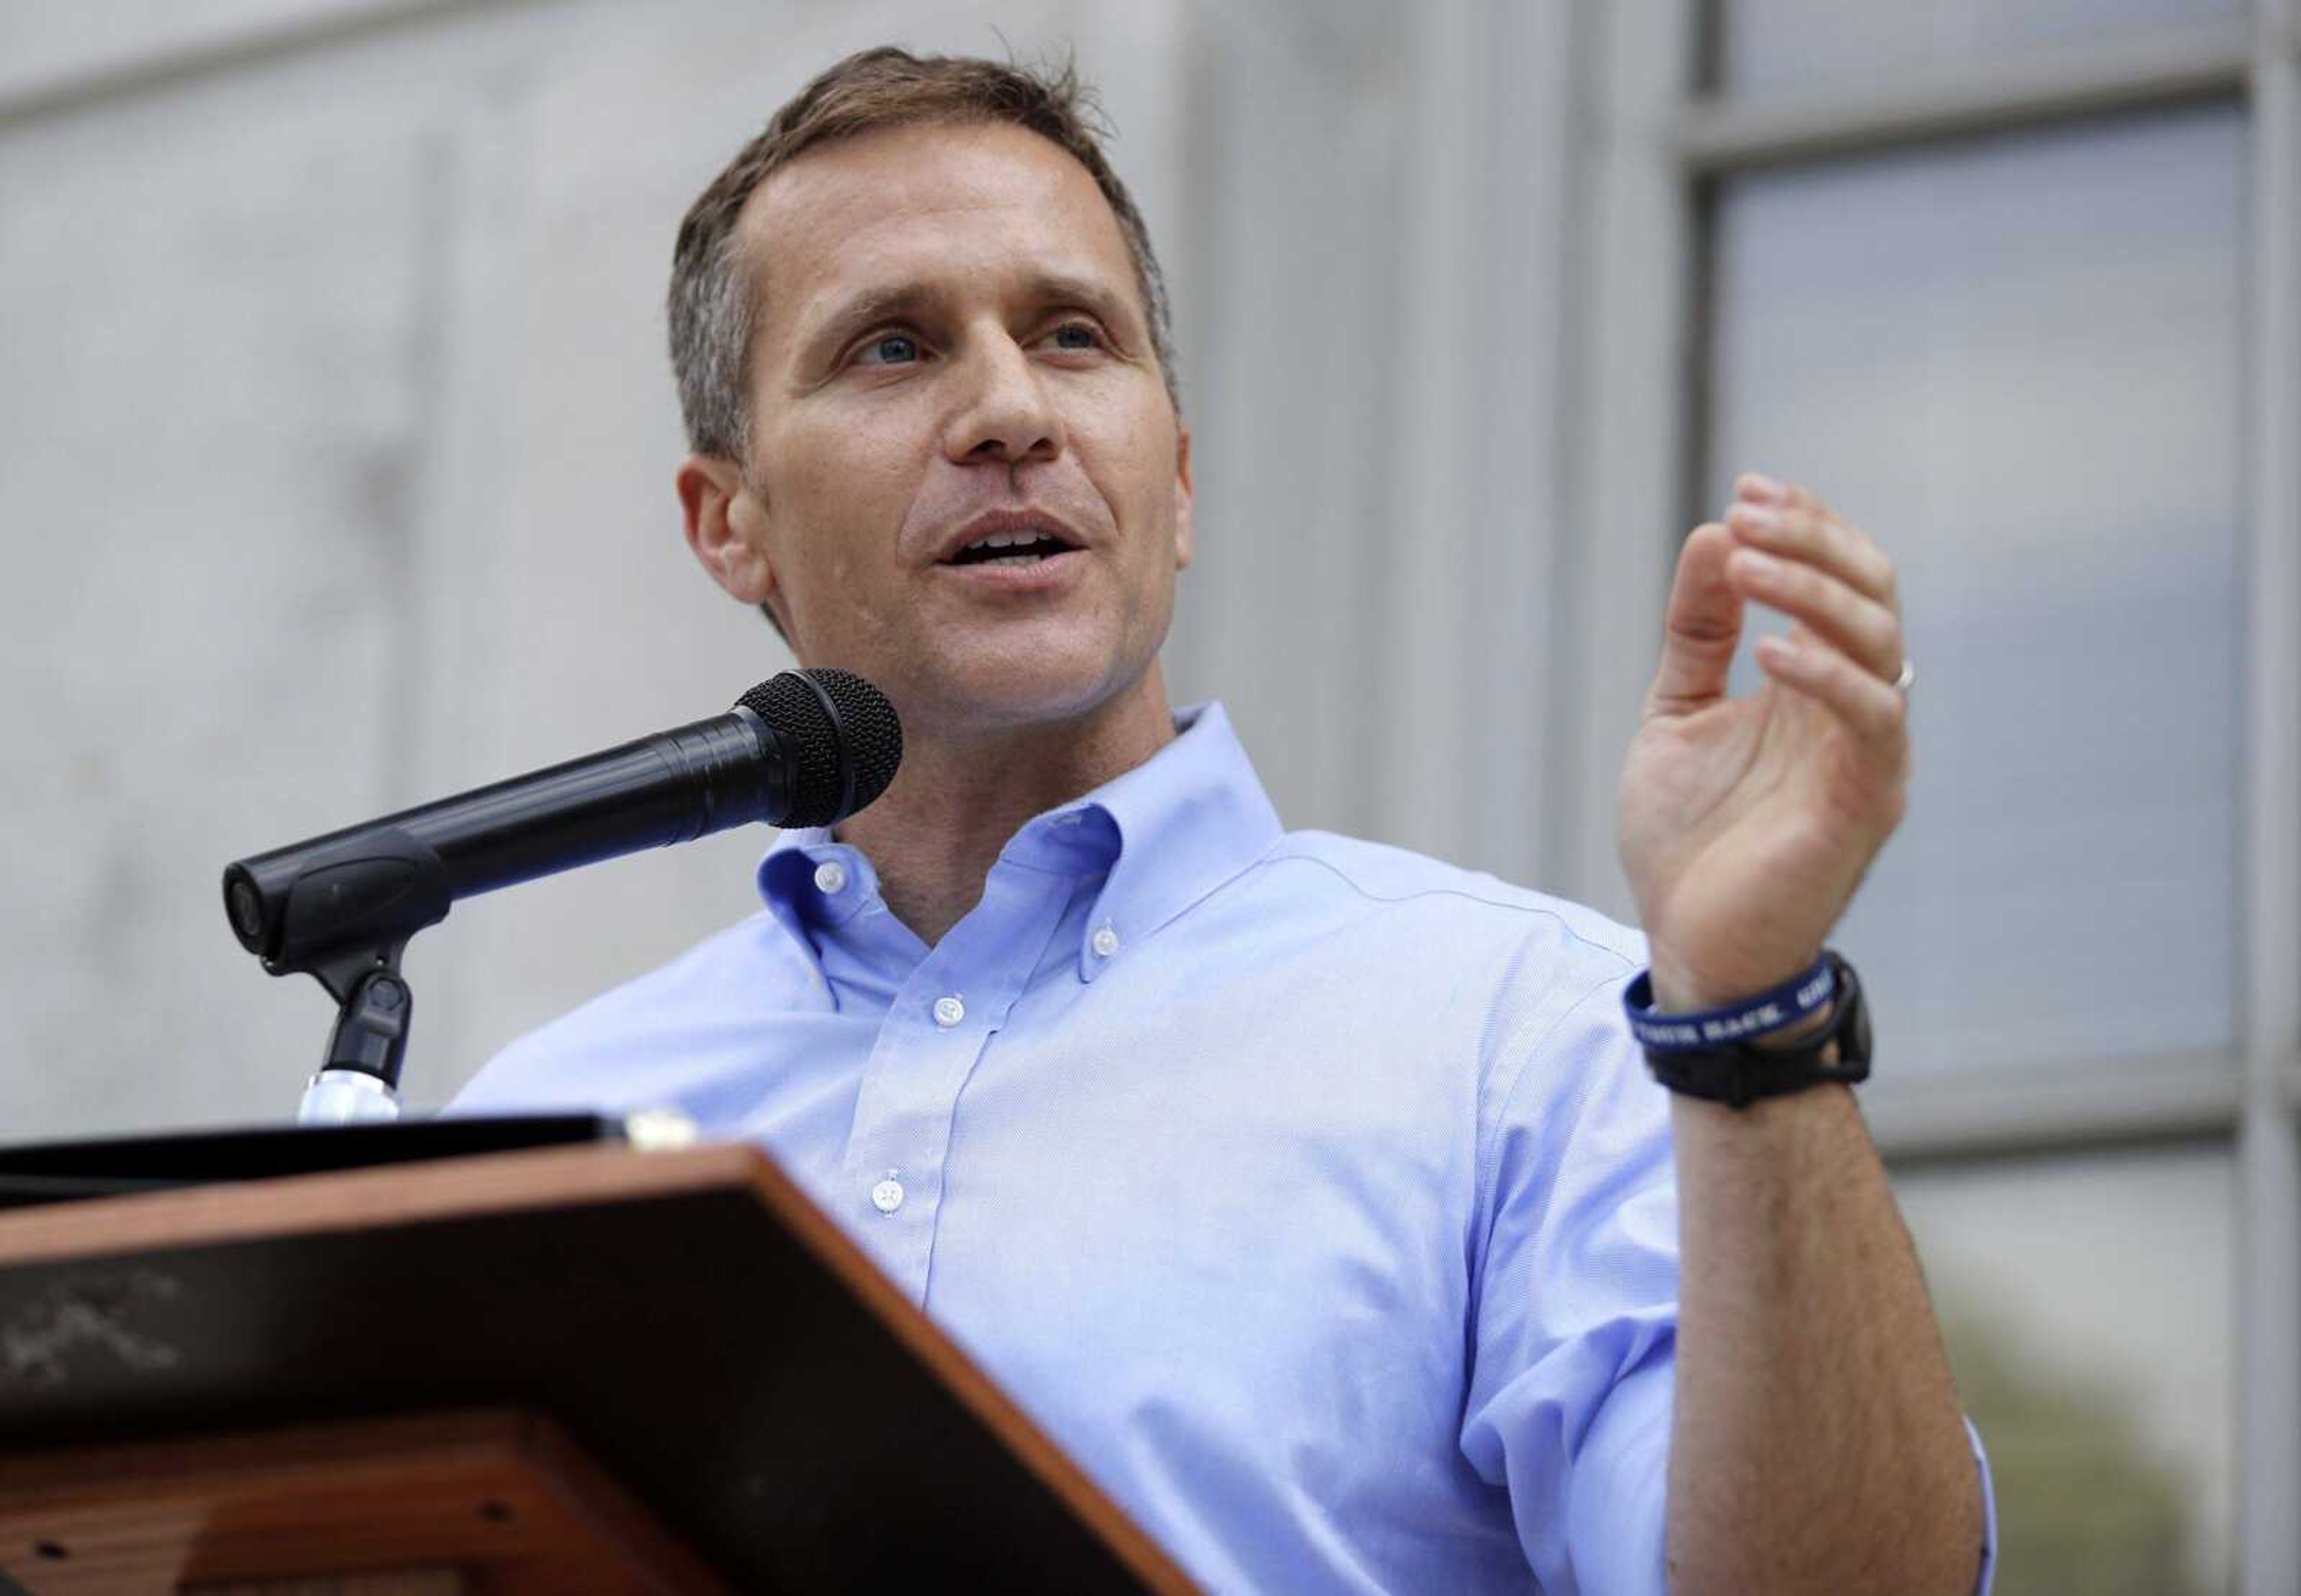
x: 2123, y: 71
x: 2269, y: 1155
x: 2091, y: 1103
x: 1655, y: 144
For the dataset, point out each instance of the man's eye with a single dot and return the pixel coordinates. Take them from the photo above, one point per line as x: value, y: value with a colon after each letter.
x: 894, y: 349
x: 1077, y: 334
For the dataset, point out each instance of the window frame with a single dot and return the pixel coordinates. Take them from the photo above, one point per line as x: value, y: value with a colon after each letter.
x: 1658, y: 140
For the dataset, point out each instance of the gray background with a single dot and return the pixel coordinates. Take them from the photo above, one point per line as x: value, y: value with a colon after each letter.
x: 337, y: 444
x: 336, y: 441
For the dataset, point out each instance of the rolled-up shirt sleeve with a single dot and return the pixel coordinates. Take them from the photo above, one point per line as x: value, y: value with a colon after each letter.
x: 1575, y: 1311
x: 1987, y: 1575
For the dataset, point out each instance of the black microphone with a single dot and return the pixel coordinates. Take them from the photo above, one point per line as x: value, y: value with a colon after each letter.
x: 808, y: 748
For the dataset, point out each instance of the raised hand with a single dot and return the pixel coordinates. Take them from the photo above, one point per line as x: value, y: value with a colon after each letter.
x: 1746, y: 823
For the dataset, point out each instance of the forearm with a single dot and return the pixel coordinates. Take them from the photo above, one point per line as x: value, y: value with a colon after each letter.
x: 1817, y: 1444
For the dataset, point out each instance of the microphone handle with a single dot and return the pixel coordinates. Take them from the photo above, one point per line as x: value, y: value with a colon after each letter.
x: 670, y: 787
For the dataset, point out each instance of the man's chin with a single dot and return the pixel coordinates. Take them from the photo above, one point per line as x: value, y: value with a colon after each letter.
x: 1004, y: 691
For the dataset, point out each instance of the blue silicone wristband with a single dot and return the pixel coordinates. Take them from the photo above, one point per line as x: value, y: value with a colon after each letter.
x: 1707, y: 1030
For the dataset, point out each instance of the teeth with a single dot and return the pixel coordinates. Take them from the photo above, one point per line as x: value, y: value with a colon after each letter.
x: 1014, y: 559
x: 1005, y: 540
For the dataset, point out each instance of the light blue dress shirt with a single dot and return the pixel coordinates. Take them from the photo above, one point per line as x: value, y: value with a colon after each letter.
x: 1310, y: 1193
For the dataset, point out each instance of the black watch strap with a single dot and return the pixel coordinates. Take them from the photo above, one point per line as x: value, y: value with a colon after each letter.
x: 1738, y: 1074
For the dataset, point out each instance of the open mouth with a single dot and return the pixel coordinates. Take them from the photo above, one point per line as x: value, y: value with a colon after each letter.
x: 1010, y: 548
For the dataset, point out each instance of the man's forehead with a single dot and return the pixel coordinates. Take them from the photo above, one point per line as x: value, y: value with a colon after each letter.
x: 878, y: 203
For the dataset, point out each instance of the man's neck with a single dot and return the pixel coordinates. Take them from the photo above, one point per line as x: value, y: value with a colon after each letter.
x: 934, y: 837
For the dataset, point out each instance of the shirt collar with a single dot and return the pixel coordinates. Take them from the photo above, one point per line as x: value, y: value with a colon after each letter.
x: 1167, y: 832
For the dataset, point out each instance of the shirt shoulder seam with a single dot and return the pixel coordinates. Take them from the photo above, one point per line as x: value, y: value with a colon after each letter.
x: 1489, y: 901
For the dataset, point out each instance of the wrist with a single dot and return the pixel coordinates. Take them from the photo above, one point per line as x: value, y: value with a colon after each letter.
x: 1809, y: 1029
x: 1679, y: 987
x: 1791, y: 1003
x: 1803, y: 1031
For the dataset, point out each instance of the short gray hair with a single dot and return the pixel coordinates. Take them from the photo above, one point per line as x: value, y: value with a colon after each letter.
x: 712, y: 313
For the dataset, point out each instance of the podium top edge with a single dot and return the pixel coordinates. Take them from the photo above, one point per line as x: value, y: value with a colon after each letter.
x: 436, y: 1191
x: 115, y: 1229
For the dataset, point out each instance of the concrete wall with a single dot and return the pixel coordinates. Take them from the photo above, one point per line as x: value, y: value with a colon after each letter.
x: 336, y: 440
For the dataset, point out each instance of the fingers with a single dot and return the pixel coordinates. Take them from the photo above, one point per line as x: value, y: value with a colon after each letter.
x: 1795, y: 556
x: 1871, y: 709
x: 1789, y: 520
x: 1862, y: 627
x: 1702, y: 625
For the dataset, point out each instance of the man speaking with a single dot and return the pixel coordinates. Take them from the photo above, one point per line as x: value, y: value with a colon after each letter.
x: 1327, y: 1202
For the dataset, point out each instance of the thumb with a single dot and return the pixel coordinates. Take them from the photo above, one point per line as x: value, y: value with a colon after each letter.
x: 1702, y: 626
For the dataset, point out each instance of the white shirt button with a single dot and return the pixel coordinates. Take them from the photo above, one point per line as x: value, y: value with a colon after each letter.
x: 887, y: 1196
x: 949, y: 1012
x: 1105, y: 942
x: 831, y: 878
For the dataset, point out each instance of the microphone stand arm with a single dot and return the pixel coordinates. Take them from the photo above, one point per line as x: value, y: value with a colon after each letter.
x: 358, y: 1079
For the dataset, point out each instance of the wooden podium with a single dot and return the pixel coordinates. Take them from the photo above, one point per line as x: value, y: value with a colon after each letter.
x: 575, y: 1370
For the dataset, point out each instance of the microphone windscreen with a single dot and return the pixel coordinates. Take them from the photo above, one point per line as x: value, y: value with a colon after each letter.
x: 873, y: 733
x: 843, y: 736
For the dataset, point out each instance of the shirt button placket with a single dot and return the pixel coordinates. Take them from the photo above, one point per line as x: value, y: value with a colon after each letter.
x: 949, y: 1011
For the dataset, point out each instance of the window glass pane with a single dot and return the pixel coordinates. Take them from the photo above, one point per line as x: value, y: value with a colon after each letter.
x: 2088, y: 1306
x: 1762, y: 43
x: 2016, y: 362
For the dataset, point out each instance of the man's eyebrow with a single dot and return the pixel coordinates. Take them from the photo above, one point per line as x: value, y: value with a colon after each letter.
x: 1089, y: 293
x: 885, y: 303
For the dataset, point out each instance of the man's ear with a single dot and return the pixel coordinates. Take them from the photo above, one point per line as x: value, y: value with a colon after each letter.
x: 726, y: 527
x: 1186, y: 524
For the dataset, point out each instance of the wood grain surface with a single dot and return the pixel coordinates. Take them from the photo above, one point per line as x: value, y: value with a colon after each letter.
x: 490, y: 1503
x: 689, y: 1317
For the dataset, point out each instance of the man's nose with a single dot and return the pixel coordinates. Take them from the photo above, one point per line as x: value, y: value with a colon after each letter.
x: 1006, y: 414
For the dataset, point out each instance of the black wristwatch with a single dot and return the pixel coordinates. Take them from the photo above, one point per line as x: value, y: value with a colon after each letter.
x: 1737, y: 1073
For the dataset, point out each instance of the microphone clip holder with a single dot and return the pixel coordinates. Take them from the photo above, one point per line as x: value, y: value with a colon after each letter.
x: 358, y: 1079
x: 345, y: 918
